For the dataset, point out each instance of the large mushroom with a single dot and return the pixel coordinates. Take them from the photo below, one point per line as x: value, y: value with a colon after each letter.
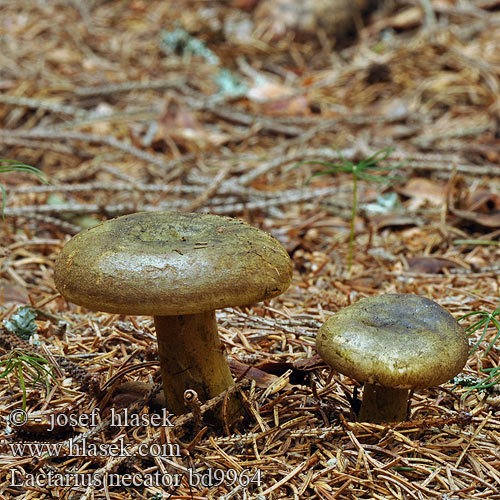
x: 179, y: 268
x: 393, y: 343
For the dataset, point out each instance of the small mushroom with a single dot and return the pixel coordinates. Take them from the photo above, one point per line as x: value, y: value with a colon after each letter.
x: 180, y: 268
x: 393, y: 343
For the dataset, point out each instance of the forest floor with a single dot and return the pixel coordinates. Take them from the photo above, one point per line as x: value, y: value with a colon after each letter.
x: 210, y: 106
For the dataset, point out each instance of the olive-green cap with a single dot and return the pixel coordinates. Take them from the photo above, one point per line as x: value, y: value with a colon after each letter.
x: 396, y: 340
x: 169, y: 263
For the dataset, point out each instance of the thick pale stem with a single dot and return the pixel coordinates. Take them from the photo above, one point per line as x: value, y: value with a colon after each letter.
x: 192, y: 357
x: 383, y: 404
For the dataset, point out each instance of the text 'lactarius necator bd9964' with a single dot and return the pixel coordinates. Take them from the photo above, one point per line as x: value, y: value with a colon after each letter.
x: 179, y: 268
x: 393, y: 343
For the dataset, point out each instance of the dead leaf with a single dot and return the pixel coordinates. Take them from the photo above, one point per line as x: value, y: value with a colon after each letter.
x: 368, y: 284
x: 486, y: 220
x: 180, y: 124
x: 483, y: 201
x: 422, y: 191
x: 262, y: 378
x: 274, y: 367
x: 431, y: 265
x: 309, y: 364
x: 396, y: 221
x: 483, y: 208
x: 299, y: 368
x: 130, y: 392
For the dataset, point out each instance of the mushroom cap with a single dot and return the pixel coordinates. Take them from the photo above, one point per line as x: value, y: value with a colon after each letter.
x: 169, y: 263
x: 396, y: 340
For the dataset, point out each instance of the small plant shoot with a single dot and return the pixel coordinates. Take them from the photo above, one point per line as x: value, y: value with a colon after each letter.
x: 362, y: 170
x: 27, y: 365
x: 483, y: 320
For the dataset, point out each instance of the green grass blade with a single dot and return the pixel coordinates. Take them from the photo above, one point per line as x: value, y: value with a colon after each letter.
x: 472, y: 313
x: 25, y: 168
x: 334, y: 167
x: 41, y: 370
x: 10, y: 367
x: 492, y: 343
x: 341, y: 156
x: 372, y: 160
x: 378, y: 178
x: 475, y: 326
x: 22, y: 384
x: 4, y: 196
x: 485, y: 329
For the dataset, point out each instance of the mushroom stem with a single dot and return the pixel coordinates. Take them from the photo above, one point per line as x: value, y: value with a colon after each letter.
x: 383, y: 404
x: 192, y: 357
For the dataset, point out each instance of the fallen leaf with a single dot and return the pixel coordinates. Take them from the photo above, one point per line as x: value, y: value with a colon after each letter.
x: 483, y: 207
x: 130, y: 392
x: 179, y: 124
x: 309, y: 364
x: 431, y: 265
x: 483, y: 201
x: 486, y: 220
x: 368, y: 284
x: 262, y: 378
x: 396, y: 221
x: 422, y: 191
x: 298, y: 368
x: 274, y: 367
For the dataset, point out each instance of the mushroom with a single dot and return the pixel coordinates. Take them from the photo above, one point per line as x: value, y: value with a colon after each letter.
x: 180, y: 268
x: 393, y: 343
